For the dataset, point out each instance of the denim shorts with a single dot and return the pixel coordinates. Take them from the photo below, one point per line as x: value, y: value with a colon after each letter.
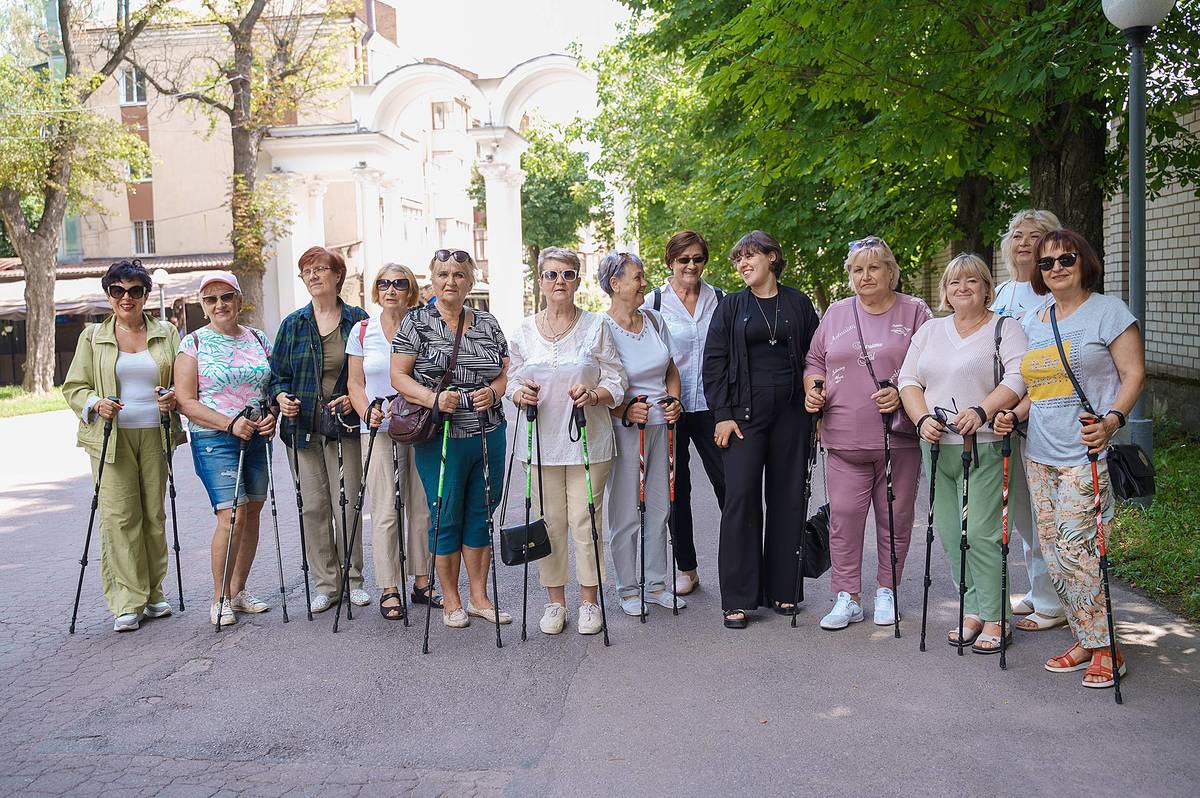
x: 216, y: 457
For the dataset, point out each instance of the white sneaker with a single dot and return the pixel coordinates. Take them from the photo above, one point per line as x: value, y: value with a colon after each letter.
x: 663, y: 598
x: 248, y: 602
x: 360, y: 597
x: 590, y: 622
x: 127, y: 622
x: 553, y: 619
x: 226, y: 612
x: 845, y: 612
x: 158, y: 609
x: 632, y: 606
x: 885, y: 607
x: 320, y: 603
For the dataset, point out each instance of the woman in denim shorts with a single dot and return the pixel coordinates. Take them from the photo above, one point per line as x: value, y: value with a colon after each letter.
x: 221, y: 370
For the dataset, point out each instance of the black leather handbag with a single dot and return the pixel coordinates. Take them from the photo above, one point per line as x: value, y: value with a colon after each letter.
x: 523, y: 543
x: 816, y: 543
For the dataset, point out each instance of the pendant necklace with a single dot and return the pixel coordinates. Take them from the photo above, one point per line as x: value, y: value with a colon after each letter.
x: 772, y: 338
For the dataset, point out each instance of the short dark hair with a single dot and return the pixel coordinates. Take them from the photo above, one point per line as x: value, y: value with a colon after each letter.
x: 126, y: 270
x: 681, y: 241
x: 758, y: 241
x: 1068, y: 240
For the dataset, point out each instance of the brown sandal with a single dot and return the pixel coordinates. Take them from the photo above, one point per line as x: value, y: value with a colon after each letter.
x: 1076, y: 658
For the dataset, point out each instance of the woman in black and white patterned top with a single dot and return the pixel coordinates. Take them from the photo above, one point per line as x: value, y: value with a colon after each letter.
x: 421, y: 354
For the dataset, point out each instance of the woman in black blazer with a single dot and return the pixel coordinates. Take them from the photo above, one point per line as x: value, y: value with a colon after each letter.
x: 753, y: 369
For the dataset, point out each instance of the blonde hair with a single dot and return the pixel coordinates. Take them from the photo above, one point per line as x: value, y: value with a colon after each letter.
x: 411, y: 295
x: 970, y: 265
x: 469, y: 266
x: 877, y: 249
x: 1044, y: 221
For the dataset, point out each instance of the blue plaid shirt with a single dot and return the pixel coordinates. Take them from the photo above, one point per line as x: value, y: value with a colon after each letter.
x: 296, y: 364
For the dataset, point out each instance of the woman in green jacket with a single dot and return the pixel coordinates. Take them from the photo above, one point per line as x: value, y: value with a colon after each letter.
x: 129, y: 356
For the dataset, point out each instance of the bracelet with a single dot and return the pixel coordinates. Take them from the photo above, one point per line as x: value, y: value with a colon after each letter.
x: 979, y: 411
x: 495, y: 396
x: 1121, y: 420
x: 595, y: 397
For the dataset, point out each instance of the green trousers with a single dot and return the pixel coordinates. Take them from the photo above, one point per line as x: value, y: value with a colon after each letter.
x: 133, y: 541
x: 983, y: 597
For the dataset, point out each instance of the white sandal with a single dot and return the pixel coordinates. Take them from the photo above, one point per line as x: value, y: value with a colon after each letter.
x: 1039, y: 622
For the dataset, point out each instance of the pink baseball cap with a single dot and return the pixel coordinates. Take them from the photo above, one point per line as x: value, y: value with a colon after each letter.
x: 220, y: 277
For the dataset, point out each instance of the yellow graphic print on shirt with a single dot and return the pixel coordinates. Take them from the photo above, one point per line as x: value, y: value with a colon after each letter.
x: 1045, y: 378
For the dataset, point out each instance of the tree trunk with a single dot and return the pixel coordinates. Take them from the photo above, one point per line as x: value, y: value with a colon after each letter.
x: 247, y: 237
x: 974, y: 198
x: 1066, y: 166
x: 38, y: 257
x: 534, y: 252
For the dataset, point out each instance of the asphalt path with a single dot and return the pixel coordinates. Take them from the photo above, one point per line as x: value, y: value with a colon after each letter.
x: 676, y: 706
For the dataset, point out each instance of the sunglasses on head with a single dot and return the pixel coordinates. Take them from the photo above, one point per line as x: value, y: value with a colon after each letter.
x: 444, y: 255
x: 135, y: 292
x: 699, y: 260
x: 869, y: 241
x: 213, y: 299
x: 400, y: 284
x: 1066, y: 260
x: 551, y: 275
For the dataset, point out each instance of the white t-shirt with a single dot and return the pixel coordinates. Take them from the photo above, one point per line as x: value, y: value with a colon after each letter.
x: 645, y: 357
x: 689, y: 333
x: 1016, y: 299
x: 376, y: 352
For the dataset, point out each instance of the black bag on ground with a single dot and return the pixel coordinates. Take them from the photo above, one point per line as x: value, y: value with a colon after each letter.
x: 816, y: 543
x: 520, y: 544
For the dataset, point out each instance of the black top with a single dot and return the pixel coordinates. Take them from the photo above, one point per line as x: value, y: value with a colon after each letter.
x: 767, y: 344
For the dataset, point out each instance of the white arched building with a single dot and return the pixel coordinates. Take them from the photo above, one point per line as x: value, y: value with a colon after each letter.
x: 391, y: 183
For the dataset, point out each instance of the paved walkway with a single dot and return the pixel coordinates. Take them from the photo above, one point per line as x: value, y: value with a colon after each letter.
x: 678, y: 706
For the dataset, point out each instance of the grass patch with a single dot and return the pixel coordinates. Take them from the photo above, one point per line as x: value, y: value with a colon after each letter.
x: 1158, y: 550
x: 15, y: 402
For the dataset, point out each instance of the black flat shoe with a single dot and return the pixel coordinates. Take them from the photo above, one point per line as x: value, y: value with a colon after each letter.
x: 736, y: 623
x: 394, y: 612
x: 420, y: 595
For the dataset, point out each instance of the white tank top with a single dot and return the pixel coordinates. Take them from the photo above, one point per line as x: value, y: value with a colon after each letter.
x: 137, y: 377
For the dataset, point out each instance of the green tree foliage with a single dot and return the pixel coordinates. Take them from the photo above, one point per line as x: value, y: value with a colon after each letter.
x: 925, y: 123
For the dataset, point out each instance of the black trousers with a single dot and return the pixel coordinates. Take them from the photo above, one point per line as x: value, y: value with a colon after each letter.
x: 695, y: 428
x: 757, y: 561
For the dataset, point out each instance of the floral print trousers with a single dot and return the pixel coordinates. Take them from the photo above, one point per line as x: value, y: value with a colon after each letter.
x: 1065, y: 511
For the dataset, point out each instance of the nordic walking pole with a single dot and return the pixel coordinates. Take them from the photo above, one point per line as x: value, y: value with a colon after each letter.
x: 1006, y: 451
x: 491, y: 524
x: 344, y: 587
x: 812, y: 466
x: 275, y: 524
x: 399, y: 505
x: 437, y: 529
x: 1103, y: 545
x: 530, y: 423
x: 237, y: 490
x: 87, y: 541
x: 891, y: 498
x: 168, y: 452
x: 579, y: 417
x: 300, y: 511
x: 342, y: 502
x: 666, y: 402
x: 934, y: 450
x: 963, y: 545
x: 641, y: 399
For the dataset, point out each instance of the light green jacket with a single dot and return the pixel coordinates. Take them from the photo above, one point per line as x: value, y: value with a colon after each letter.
x: 93, y: 373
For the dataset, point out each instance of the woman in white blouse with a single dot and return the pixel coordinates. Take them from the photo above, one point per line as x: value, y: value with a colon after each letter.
x: 562, y: 358
x: 646, y: 350
x: 953, y: 363
x: 687, y: 304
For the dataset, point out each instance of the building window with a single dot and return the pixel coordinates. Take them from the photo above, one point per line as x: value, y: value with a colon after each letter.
x: 143, y: 237
x: 132, y: 84
x: 480, y: 244
x: 442, y: 112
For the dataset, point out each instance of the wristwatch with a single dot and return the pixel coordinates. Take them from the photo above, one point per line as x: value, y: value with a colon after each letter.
x: 1121, y: 420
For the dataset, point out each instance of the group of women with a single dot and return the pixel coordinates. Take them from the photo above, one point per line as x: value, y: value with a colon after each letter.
x: 743, y: 378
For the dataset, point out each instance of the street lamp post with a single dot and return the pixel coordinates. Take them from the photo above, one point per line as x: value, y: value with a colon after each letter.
x: 1137, y: 18
x: 161, y: 278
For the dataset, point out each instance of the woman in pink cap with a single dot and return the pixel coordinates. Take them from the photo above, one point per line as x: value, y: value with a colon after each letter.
x: 221, y: 370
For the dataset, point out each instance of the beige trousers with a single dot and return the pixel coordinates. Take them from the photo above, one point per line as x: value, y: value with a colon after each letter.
x: 323, y: 512
x: 381, y: 492
x: 565, y: 490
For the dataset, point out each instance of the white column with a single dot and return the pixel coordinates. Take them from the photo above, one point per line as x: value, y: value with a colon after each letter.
x: 369, y: 231
x: 506, y: 267
x: 307, y: 229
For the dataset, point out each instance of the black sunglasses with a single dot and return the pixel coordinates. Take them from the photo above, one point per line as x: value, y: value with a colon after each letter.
x: 444, y: 255
x: 213, y: 299
x: 400, y: 284
x: 136, y: 292
x: 1066, y: 260
x: 699, y: 260
x: 567, y: 274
